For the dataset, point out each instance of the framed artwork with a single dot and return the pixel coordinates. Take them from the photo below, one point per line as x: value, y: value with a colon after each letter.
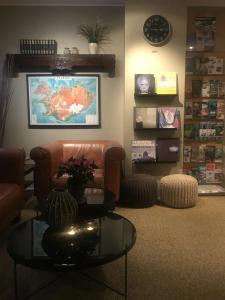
x: 63, y: 101
x: 144, y: 84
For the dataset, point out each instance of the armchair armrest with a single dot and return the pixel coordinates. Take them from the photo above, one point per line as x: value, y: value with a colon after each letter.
x: 114, y: 154
x: 12, y: 166
x: 47, y: 160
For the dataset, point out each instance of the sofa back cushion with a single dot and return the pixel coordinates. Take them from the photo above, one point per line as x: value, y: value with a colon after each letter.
x: 92, y: 151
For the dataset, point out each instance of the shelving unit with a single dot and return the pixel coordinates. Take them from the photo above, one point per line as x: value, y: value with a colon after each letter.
x: 205, y: 101
x: 61, y: 63
x: 158, y: 141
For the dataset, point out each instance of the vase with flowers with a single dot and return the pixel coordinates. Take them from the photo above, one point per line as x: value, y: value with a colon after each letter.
x: 80, y: 171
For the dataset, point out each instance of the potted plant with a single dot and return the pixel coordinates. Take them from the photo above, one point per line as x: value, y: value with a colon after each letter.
x: 95, y: 34
x: 80, y: 170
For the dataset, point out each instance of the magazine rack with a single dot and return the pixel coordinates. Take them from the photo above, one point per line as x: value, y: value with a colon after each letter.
x: 204, y: 99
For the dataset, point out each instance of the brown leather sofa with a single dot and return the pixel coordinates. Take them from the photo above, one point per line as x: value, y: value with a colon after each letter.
x: 108, y: 156
x: 12, y: 191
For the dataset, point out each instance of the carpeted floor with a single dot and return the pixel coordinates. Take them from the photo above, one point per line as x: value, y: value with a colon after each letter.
x: 178, y: 255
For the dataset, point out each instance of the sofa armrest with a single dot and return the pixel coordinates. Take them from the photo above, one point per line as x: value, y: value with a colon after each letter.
x: 47, y: 159
x: 12, y: 166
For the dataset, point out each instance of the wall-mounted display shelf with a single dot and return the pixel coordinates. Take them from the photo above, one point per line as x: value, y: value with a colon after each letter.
x: 166, y: 117
x: 165, y: 150
x: 61, y: 63
x: 203, y: 152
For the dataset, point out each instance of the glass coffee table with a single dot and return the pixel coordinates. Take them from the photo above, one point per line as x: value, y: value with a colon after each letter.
x: 88, y: 242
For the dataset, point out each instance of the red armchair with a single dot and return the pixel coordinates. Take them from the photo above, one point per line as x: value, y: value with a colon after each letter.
x: 108, y: 156
x: 12, y: 191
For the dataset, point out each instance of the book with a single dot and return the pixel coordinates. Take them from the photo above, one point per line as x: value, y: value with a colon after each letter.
x: 166, y: 83
x: 145, y: 117
x: 143, y: 150
x: 169, y: 117
x: 168, y: 150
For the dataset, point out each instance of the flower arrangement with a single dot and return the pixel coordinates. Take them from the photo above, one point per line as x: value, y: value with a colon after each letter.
x: 80, y: 170
x: 97, y: 33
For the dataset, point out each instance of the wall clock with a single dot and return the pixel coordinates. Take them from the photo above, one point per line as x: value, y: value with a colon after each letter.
x: 157, y: 30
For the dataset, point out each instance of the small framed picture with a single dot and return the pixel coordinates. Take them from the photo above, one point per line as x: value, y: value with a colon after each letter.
x: 145, y: 117
x: 144, y: 84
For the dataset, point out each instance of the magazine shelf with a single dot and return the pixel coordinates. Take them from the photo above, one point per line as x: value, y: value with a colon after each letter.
x: 205, y: 99
x: 204, y: 106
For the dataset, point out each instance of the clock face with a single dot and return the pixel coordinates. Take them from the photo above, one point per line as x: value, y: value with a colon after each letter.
x: 157, y: 30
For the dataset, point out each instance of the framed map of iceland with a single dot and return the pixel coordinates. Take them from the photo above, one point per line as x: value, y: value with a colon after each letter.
x: 63, y: 101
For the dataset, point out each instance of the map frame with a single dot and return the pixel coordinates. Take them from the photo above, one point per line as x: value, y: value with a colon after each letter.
x: 89, y: 117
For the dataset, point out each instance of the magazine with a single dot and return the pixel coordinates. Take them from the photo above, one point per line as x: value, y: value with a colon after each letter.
x: 144, y: 84
x: 220, y: 109
x: 143, y: 151
x: 187, y: 153
x: 166, y: 83
x: 145, y: 117
x: 188, y: 113
x: 169, y: 117
x: 168, y: 150
x: 205, y: 33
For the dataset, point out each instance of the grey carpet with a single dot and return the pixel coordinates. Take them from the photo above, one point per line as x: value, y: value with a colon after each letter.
x: 179, y: 254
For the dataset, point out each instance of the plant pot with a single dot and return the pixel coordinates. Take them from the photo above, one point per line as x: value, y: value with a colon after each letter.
x: 61, y: 209
x: 77, y: 191
x: 93, y: 48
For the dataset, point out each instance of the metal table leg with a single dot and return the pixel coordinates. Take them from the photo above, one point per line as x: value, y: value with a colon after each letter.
x: 15, y: 281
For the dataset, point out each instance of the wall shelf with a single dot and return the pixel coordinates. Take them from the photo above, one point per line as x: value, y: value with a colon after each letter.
x: 64, y: 64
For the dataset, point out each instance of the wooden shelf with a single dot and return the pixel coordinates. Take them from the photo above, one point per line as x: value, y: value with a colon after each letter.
x: 64, y: 64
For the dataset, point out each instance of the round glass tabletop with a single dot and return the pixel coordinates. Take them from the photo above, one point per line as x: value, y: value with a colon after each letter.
x: 89, y: 241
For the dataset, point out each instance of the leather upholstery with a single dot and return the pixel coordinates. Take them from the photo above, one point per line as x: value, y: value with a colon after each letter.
x: 106, y: 154
x: 12, y: 191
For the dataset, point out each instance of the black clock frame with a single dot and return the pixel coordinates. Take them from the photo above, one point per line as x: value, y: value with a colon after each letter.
x: 157, y: 30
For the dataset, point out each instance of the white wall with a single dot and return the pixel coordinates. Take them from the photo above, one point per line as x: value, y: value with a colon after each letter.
x: 60, y: 23
x: 141, y: 57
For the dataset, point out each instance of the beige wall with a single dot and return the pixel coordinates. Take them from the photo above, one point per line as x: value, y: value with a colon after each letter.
x: 60, y: 23
x: 141, y: 57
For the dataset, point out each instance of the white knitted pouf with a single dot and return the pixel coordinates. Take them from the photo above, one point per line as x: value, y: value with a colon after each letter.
x: 178, y: 190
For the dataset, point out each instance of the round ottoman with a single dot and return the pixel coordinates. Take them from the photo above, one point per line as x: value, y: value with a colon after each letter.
x: 178, y: 190
x: 139, y: 190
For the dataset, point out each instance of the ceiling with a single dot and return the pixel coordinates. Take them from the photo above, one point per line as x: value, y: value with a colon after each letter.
x: 62, y: 2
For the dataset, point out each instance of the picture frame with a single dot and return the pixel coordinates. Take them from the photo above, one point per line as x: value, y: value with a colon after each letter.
x: 71, y: 101
x: 144, y: 84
